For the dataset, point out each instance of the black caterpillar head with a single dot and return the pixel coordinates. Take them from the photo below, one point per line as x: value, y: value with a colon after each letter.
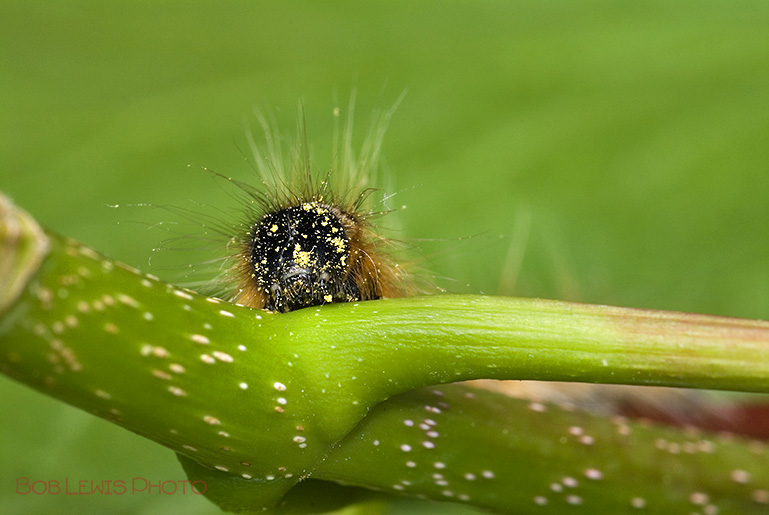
x: 301, y: 256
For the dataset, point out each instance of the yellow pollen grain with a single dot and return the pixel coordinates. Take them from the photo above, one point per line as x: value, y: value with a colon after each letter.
x: 338, y: 243
x: 302, y: 257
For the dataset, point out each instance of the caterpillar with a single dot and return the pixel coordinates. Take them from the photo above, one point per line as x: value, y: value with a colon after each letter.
x: 309, y: 238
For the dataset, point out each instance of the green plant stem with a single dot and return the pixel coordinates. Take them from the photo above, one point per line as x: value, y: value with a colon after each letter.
x: 457, y: 337
x: 514, y: 456
x: 262, y: 401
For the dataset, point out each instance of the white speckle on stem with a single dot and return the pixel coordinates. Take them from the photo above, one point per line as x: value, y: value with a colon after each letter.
x: 182, y: 294
x: 199, y: 338
x: 223, y: 356
x: 594, y: 474
x: 175, y: 390
x: 574, y: 500
x: 161, y: 374
x: 740, y: 476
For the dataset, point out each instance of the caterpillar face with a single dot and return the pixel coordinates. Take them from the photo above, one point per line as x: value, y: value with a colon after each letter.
x: 301, y: 256
x: 306, y: 238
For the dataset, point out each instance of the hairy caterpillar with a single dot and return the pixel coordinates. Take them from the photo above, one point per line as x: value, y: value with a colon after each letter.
x: 308, y: 238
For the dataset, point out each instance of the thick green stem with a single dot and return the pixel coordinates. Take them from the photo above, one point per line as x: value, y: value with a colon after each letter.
x: 446, y: 338
x: 456, y: 443
x: 257, y: 402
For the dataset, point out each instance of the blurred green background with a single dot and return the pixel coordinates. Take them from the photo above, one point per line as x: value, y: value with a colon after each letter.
x: 600, y: 151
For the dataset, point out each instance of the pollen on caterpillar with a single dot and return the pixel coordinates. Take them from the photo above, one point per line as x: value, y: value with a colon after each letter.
x: 309, y: 238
